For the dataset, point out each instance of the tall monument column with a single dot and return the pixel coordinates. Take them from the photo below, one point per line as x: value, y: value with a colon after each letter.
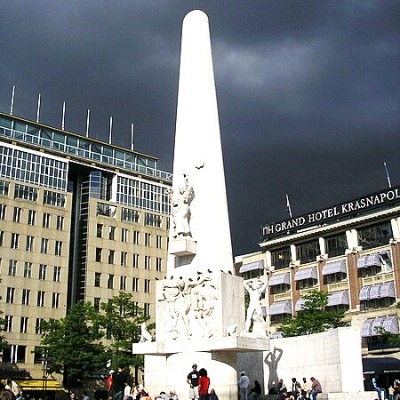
x: 198, y: 158
x: 200, y: 316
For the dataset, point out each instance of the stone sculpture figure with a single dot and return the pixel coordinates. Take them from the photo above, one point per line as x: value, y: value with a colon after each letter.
x: 255, y: 288
x: 179, y: 298
x: 145, y: 335
x: 181, y: 209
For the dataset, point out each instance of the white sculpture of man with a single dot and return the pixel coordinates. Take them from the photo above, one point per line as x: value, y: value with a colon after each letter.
x: 181, y: 209
x: 254, y: 312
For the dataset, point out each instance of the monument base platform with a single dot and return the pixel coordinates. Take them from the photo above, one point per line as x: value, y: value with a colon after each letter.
x: 228, y: 343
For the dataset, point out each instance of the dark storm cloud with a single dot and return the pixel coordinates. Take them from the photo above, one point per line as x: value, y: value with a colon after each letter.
x: 308, y: 90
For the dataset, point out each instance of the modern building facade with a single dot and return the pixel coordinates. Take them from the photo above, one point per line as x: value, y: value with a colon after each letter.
x: 80, y: 220
x: 350, y: 250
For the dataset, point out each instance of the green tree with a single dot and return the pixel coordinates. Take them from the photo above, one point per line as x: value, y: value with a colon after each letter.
x: 3, y: 342
x: 314, y: 317
x: 72, y: 344
x: 121, y: 319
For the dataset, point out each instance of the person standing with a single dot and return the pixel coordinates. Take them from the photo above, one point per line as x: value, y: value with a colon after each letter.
x: 119, y: 379
x: 243, y: 384
x: 204, y: 384
x: 109, y: 381
x: 315, y: 388
x: 378, y: 390
x: 193, y: 381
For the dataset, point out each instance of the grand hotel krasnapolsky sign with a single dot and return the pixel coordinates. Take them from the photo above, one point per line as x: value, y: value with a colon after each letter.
x: 339, y: 211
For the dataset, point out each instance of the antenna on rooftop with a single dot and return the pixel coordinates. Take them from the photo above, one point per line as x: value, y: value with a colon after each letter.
x: 12, y: 101
x: 132, y: 142
x: 63, y: 117
x: 110, y: 132
x: 87, y: 123
x: 38, y: 108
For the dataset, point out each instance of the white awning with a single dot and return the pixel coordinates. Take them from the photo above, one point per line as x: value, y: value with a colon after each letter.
x: 334, y: 267
x: 299, y: 304
x: 366, y: 328
x: 280, y: 307
x: 281, y: 279
x: 340, y: 297
x: 251, y: 266
x: 375, y: 292
x: 364, y: 293
x: 307, y: 273
x: 368, y: 260
x: 391, y: 324
x: 387, y: 290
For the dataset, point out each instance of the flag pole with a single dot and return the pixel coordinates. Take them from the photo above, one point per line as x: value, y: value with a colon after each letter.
x: 387, y: 174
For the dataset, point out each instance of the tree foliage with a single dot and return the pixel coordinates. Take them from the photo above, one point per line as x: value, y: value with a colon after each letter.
x: 314, y: 317
x: 3, y: 342
x: 72, y: 344
x: 121, y: 319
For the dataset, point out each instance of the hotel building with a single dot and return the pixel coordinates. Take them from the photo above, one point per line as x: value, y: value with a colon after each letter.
x: 80, y: 220
x: 350, y: 250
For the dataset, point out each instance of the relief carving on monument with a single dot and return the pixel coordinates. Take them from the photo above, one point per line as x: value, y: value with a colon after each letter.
x: 254, y: 314
x: 189, y: 302
x: 180, y: 202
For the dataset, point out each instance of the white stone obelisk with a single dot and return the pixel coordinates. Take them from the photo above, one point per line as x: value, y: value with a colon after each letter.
x: 198, y: 156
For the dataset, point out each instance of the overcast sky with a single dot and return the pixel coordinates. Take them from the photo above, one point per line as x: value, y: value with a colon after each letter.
x: 308, y: 91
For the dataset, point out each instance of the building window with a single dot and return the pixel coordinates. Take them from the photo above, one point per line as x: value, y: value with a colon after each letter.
x: 29, y: 243
x: 129, y: 215
x: 308, y: 251
x: 38, y: 326
x: 335, y: 277
x: 25, y: 192
x: 46, y: 220
x: 12, y: 267
x: 97, y: 278
x: 135, y: 284
x: 98, y: 254
x: 159, y: 242
x: 281, y: 288
x: 96, y: 304
x: 136, y: 237
x: 99, y: 230
x: 60, y: 223
x: 147, y: 285
x: 1, y: 238
x: 110, y: 282
x: 14, y: 354
x: 152, y: 220
x: 122, y: 283
x: 26, y: 293
x: 135, y: 260
x: 58, y: 248
x: 42, y: 272
x: 111, y: 255
x: 57, y: 274
x: 44, y: 246
x: 280, y: 258
x: 54, y: 198
x: 375, y: 235
x: 111, y: 233
x: 17, y: 214
x: 147, y: 239
x: 31, y: 217
x: 158, y: 264
x: 124, y: 235
x: 124, y: 257
x: 28, y: 269
x: 14, y: 240
x: 371, y: 270
x: 336, y: 245
x: 146, y: 262
x: 24, y: 325
x: 4, y: 186
x: 40, y: 298
x: 10, y: 295
x: 8, y: 323
x: 55, y: 302
x: 306, y: 283
x: 146, y: 309
x: 3, y: 208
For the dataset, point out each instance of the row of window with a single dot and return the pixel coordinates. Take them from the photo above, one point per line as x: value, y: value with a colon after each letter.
x: 16, y: 242
x: 26, y: 299
x: 336, y: 245
x: 22, y: 215
x: 125, y: 259
x: 123, y: 282
x: 126, y: 236
x: 42, y: 273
